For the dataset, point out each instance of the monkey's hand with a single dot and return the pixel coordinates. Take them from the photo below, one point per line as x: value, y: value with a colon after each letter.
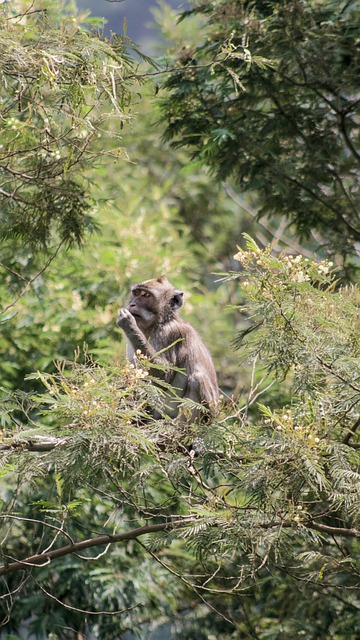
x: 134, y: 335
x: 126, y: 321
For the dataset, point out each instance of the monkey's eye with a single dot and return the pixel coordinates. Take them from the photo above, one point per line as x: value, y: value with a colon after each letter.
x: 145, y: 294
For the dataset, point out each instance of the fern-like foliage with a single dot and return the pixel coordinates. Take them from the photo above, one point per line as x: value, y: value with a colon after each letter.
x: 61, y: 83
x: 221, y: 507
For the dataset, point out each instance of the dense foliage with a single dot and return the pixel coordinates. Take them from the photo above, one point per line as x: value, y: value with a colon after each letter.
x: 273, y: 494
x: 60, y: 84
x: 270, y: 98
x: 109, y: 524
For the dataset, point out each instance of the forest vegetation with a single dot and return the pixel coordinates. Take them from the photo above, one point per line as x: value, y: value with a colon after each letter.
x: 230, y: 163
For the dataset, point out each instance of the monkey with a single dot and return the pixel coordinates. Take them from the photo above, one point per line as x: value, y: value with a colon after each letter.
x: 153, y: 326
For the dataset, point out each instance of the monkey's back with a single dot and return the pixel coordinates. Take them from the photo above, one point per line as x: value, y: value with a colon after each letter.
x: 184, y: 349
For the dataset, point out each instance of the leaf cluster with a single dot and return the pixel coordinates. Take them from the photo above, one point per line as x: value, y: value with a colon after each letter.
x: 61, y: 84
x: 305, y: 325
x: 272, y: 495
x: 270, y: 98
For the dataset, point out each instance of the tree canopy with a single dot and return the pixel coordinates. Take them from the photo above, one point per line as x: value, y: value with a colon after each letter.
x: 113, y: 524
x: 61, y: 85
x: 270, y: 98
x: 271, y: 493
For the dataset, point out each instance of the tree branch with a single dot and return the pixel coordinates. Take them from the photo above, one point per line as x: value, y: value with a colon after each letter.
x: 334, y: 531
x: 351, y: 431
x: 36, y: 444
x: 42, y: 559
x: 32, y: 280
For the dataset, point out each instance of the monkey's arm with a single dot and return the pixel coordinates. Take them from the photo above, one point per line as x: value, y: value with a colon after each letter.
x: 201, y: 388
x: 138, y: 341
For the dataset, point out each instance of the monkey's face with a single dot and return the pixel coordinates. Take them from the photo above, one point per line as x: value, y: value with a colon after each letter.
x: 154, y: 301
x: 144, y: 307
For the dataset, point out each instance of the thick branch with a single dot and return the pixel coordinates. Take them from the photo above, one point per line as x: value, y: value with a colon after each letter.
x: 351, y: 431
x: 334, y: 531
x: 34, y: 444
x: 317, y: 526
x: 43, y: 559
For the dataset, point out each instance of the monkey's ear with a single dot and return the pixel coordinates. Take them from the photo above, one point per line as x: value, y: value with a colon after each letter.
x: 177, y: 300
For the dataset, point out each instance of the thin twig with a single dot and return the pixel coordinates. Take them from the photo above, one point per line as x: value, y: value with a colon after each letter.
x: 30, y: 282
x: 85, y: 611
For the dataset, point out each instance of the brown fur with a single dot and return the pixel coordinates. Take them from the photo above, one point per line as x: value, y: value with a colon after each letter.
x: 151, y: 323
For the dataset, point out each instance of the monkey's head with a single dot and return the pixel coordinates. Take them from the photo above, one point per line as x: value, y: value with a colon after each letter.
x: 154, y: 302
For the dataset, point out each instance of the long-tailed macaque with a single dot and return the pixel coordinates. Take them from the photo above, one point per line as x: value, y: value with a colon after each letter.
x: 152, y: 324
